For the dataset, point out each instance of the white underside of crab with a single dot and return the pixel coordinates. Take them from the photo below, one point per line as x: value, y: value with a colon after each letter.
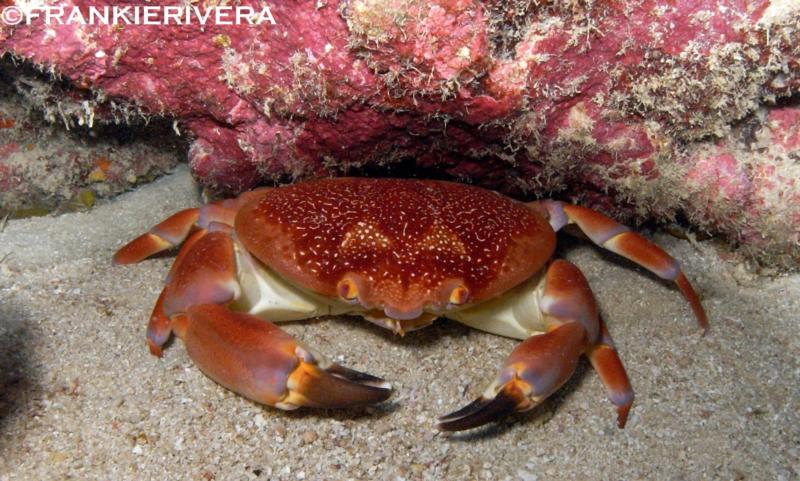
x: 264, y: 294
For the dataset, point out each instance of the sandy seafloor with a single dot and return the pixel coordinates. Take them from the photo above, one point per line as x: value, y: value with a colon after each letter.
x: 81, y: 397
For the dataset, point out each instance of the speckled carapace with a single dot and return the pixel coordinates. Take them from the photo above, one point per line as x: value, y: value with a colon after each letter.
x: 406, y: 245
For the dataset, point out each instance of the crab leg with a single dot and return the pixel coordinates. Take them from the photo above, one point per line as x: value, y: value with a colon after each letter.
x: 169, y: 233
x: 617, y: 238
x: 250, y: 356
x: 605, y: 360
x: 543, y: 362
x: 175, y: 229
x: 205, y: 274
x: 159, y: 328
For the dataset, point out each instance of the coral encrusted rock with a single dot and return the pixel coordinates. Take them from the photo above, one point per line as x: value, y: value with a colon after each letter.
x: 645, y: 109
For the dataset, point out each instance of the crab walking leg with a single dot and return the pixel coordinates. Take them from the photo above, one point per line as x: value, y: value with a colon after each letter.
x: 204, y: 272
x: 169, y: 233
x: 185, y: 248
x: 619, y: 239
x: 605, y: 360
x: 542, y: 363
x: 158, y: 329
x: 249, y: 356
x: 174, y: 230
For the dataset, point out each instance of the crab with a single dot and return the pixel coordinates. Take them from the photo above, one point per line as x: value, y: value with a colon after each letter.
x: 399, y: 253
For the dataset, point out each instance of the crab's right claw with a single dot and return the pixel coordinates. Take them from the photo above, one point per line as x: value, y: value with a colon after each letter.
x: 260, y: 361
x: 334, y: 386
x: 533, y: 371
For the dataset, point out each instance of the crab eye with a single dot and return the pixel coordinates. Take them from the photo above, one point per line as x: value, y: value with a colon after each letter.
x: 460, y: 295
x: 347, y: 289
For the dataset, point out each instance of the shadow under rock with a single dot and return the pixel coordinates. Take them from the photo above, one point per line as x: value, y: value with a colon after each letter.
x: 18, y: 377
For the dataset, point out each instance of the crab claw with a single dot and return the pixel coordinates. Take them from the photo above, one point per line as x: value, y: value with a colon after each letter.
x: 332, y: 387
x: 260, y: 361
x: 484, y: 410
x: 533, y: 371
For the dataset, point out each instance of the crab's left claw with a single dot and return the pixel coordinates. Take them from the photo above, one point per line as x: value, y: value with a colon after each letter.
x: 483, y: 410
x: 544, y: 362
x: 533, y: 371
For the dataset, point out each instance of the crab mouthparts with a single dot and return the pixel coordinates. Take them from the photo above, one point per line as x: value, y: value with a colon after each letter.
x: 393, y: 313
x: 389, y: 320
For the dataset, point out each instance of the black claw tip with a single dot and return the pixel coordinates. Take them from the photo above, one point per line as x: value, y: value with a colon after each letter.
x: 481, y: 411
x: 341, y: 387
x: 358, y: 376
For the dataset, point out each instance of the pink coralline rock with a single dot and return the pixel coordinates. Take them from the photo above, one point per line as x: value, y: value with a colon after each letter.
x: 646, y: 109
x: 747, y: 186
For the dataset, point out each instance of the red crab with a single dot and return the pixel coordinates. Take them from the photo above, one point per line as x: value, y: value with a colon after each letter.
x: 399, y: 253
